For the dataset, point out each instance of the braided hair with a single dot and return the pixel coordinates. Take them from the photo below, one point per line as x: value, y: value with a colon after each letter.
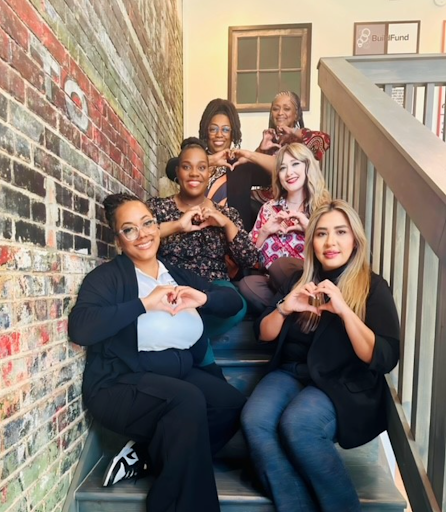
x: 294, y: 98
x: 225, y: 107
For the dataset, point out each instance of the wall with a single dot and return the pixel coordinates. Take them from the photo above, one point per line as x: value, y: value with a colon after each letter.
x: 206, y: 44
x: 90, y: 102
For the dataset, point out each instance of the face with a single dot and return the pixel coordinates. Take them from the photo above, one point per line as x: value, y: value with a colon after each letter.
x: 135, y: 214
x: 193, y: 172
x: 284, y: 112
x: 292, y: 173
x: 333, y: 241
x: 219, y: 133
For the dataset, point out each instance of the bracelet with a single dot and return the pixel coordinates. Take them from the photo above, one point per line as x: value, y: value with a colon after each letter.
x: 279, y: 308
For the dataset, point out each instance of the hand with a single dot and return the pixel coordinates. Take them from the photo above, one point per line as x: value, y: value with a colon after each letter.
x: 336, y: 303
x: 191, y: 220
x: 187, y: 297
x: 160, y: 299
x: 269, y: 140
x: 296, y: 221
x: 275, y: 224
x: 222, y: 158
x: 299, y: 300
x: 213, y: 217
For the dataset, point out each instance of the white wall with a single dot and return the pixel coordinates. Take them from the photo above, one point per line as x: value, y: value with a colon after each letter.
x: 206, y: 25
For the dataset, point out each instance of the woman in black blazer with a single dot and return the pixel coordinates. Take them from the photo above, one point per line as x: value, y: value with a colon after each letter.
x: 337, y: 334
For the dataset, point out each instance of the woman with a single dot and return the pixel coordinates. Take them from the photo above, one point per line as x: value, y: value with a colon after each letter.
x: 279, y: 231
x: 337, y: 334
x: 230, y: 181
x: 286, y: 125
x: 140, y: 318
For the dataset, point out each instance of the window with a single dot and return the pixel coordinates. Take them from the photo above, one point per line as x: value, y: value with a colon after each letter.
x: 264, y: 60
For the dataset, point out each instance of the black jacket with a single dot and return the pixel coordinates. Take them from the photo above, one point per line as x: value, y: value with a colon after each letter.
x: 105, y: 315
x: 357, y: 389
x: 239, y: 182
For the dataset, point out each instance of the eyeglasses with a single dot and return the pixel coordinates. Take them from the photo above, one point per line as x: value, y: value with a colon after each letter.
x: 132, y: 233
x: 214, y: 129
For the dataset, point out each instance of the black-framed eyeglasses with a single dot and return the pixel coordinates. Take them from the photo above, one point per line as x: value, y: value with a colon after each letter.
x: 131, y: 233
x: 214, y: 129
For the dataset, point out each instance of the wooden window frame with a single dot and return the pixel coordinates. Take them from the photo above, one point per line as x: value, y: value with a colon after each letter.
x: 302, y: 29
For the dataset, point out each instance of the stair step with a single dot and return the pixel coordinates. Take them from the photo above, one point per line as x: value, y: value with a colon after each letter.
x: 236, y: 491
x: 239, y: 337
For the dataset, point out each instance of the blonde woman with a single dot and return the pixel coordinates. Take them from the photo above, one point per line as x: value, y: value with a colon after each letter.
x: 279, y: 232
x: 337, y: 334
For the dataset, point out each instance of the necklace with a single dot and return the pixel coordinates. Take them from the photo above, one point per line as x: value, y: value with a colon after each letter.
x: 188, y: 204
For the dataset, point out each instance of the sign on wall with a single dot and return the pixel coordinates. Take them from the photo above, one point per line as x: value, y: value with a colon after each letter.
x: 386, y: 37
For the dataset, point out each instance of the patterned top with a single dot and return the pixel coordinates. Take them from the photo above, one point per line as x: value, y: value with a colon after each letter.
x: 277, y: 245
x: 217, y: 189
x: 203, y: 251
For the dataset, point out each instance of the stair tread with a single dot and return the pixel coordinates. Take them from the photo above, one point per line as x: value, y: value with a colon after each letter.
x: 241, y: 357
x: 373, y: 483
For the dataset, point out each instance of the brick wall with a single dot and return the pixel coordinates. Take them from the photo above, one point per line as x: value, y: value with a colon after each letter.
x: 90, y: 103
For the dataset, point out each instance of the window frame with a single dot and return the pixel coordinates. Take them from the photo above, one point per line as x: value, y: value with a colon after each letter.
x: 302, y: 30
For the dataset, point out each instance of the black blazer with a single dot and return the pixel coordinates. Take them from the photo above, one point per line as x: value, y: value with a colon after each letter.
x: 240, y: 181
x: 357, y: 389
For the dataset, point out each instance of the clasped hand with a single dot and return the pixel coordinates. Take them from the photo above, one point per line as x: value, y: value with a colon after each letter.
x: 284, y: 222
x: 173, y: 299
x: 325, y: 296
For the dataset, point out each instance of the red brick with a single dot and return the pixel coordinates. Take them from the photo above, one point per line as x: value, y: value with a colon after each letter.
x: 28, y: 15
x: 4, y: 76
x: 109, y: 131
x: 95, y: 115
x: 40, y: 106
x: 17, y: 86
x: 9, y: 344
x: 101, y: 140
x: 115, y: 154
x: 113, y: 119
x: 26, y: 67
x: 121, y: 144
x: 13, y: 26
x: 79, y: 76
x: 90, y: 149
x: 4, y: 45
x: 105, y: 162
x: 95, y: 97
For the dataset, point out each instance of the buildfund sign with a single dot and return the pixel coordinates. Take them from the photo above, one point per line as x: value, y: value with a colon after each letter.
x: 385, y: 37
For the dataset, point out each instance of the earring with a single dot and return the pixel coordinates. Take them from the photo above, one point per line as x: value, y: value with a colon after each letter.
x: 175, y: 180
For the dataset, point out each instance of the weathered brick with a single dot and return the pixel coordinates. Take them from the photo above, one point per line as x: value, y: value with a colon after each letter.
x: 65, y: 241
x: 26, y: 123
x: 29, y: 179
x: 22, y: 148
x: 14, y: 202
x: 6, y: 315
x: 26, y: 67
x: 72, y: 222
x: 38, y: 104
x: 48, y: 163
x: 12, y: 25
x: 16, y: 86
x: 9, y: 344
x: 82, y: 244
x: 6, y: 139
x: 3, y: 106
x: 38, y: 212
x: 63, y: 196
x: 5, y: 167
x: 27, y: 232
x: 81, y: 204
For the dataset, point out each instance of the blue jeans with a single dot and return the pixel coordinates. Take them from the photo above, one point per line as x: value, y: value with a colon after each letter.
x: 217, y: 325
x: 291, y: 431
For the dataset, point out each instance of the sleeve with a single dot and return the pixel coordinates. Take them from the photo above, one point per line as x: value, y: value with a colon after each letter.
x: 222, y: 301
x: 259, y: 223
x: 97, y: 315
x: 241, y: 249
x: 382, y: 319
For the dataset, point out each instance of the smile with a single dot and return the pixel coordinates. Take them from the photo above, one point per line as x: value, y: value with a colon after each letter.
x: 331, y: 254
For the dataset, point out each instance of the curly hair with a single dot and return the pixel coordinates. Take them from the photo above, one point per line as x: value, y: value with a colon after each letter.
x: 225, y: 107
x: 295, y: 100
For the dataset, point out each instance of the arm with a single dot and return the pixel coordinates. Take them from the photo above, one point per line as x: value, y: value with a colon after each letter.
x: 268, y: 162
x: 241, y: 248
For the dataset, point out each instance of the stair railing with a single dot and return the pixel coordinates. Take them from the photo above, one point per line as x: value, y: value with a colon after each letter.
x: 392, y: 169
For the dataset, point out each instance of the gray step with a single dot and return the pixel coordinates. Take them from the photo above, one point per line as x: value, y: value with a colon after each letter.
x: 240, y: 337
x: 236, y: 491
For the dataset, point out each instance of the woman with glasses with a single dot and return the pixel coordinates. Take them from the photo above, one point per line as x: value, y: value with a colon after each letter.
x: 336, y: 330
x: 230, y: 180
x: 140, y: 318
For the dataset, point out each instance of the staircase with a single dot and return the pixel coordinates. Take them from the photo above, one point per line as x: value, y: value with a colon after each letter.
x: 243, y: 360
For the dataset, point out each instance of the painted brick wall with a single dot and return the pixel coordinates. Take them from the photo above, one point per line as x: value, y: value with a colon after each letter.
x: 90, y: 103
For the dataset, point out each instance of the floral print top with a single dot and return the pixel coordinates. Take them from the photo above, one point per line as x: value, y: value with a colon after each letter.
x: 277, y: 245
x: 203, y: 251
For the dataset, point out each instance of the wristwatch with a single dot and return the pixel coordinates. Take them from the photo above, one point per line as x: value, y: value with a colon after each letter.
x: 279, y: 308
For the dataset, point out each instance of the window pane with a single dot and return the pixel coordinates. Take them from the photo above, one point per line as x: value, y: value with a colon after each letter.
x: 268, y: 86
x: 269, y: 53
x: 246, y: 88
x: 247, y: 53
x: 290, y: 81
x: 291, y: 52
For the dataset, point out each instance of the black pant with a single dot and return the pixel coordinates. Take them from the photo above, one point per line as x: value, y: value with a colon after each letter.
x: 182, y: 423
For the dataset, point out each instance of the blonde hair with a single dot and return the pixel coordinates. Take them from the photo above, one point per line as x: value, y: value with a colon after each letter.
x: 314, y: 186
x: 354, y: 281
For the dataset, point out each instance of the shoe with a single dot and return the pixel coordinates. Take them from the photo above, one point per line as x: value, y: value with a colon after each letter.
x: 124, y: 466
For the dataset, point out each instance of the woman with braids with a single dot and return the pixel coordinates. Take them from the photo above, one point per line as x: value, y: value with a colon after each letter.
x: 198, y: 234
x: 337, y: 334
x: 230, y: 180
x: 140, y: 318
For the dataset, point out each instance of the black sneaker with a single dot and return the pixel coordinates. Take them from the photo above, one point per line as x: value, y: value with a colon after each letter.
x: 125, y: 465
